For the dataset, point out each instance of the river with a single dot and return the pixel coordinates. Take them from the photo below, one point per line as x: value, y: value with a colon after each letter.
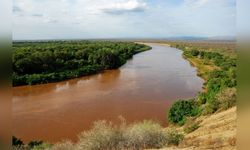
x: 143, y: 88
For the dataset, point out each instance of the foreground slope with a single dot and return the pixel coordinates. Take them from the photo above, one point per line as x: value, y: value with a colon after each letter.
x: 216, y: 131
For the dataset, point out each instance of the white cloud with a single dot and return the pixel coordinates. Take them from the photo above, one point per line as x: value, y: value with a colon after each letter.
x: 124, y: 7
x: 196, y: 3
x: 121, y: 18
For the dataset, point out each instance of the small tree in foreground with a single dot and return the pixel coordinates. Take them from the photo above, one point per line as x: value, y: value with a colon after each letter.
x: 182, y: 109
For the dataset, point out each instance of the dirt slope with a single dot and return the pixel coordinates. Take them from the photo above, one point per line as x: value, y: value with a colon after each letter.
x: 217, y: 131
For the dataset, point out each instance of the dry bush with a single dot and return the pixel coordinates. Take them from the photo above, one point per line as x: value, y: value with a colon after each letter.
x: 64, y: 145
x: 191, y: 125
x: 227, y: 98
x: 107, y: 136
x: 18, y: 148
x: 103, y: 136
x: 146, y: 134
x: 174, y: 137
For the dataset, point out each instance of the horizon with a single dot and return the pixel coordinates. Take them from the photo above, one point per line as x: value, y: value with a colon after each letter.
x: 177, y: 38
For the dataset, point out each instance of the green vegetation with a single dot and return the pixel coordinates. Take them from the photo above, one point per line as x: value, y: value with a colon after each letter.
x: 43, y: 62
x: 227, y: 48
x: 227, y: 98
x: 107, y: 136
x: 218, y: 69
x: 17, y: 144
x: 174, y: 137
x: 215, y: 66
x: 182, y: 109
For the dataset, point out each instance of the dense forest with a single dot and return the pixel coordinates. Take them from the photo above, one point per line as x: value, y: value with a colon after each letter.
x: 52, y: 61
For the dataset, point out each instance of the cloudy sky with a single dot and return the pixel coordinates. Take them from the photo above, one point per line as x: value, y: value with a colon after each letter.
x: 85, y: 19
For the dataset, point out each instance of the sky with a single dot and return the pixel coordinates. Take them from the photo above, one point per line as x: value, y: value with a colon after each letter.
x: 91, y: 19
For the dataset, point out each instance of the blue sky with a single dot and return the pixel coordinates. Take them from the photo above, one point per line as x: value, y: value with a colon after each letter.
x: 84, y: 19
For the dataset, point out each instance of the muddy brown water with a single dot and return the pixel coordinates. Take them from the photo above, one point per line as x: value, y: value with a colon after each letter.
x: 143, y: 88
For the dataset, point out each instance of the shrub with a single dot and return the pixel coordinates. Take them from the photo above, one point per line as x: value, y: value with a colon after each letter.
x: 33, y: 144
x: 227, y: 98
x: 174, y: 137
x: 18, y: 147
x: 44, y: 146
x: 103, y: 136
x: 180, y: 110
x: 106, y: 136
x: 194, y: 52
x: 64, y: 145
x: 16, y: 141
x: 211, y: 107
x: 191, y: 125
x: 201, y: 98
x: 146, y: 134
x: 217, y: 74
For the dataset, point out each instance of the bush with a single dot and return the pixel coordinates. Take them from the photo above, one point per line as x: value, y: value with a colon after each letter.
x: 107, y: 136
x: 227, y: 98
x: 211, y: 107
x: 64, y: 145
x: 103, y: 136
x: 174, y: 137
x: 191, y: 125
x: 44, y: 146
x: 180, y: 110
x: 194, y: 52
x: 18, y: 148
x: 146, y: 134
x: 16, y: 141
x: 33, y: 144
x: 201, y: 98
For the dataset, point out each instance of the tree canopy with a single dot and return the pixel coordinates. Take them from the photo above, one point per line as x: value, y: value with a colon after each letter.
x: 51, y: 61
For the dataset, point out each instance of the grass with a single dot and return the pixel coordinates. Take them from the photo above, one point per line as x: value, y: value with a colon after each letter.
x: 202, y: 67
x: 227, y: 48
x: 191, y: 125
x: 141, y: 135
x: 105, y: 135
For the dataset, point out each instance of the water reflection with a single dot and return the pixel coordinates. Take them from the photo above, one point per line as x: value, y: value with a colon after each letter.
x: 62, y: 87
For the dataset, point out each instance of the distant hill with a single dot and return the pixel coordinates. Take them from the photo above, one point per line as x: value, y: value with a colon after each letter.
x: 196, y: 38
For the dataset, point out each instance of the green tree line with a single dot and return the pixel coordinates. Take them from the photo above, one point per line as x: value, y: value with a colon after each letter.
x: 51, y: 61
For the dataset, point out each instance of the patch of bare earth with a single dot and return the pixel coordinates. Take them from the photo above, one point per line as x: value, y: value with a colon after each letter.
x: 216, y: 132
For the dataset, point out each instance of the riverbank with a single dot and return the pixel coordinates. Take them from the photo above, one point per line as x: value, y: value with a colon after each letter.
x: 215, y: 126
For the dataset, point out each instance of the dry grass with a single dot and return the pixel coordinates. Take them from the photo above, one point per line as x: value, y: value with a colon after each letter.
x: 227, y: 98
x: 217, y: 131
x: 202, y: 67
x: 227, y: 48
x: 64, y: 145
x: 137, y: 136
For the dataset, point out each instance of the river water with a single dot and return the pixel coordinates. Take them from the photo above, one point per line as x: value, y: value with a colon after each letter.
x: 143, y: 88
